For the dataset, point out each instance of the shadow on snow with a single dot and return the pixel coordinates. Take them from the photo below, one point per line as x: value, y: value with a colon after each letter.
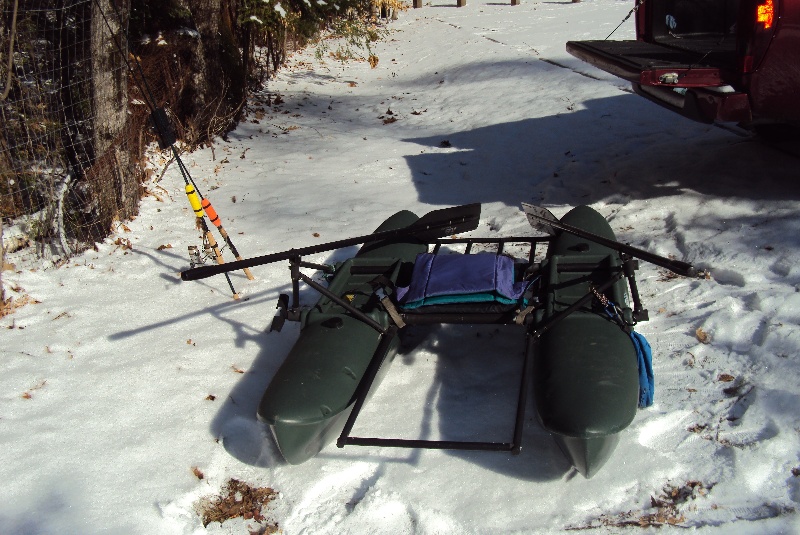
x: 603, y: 152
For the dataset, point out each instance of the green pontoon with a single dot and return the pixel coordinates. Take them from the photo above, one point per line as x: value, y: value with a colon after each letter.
x: 573, y: 297
x: 585, y: 367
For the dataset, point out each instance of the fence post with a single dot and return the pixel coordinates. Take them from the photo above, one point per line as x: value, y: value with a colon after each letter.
x: 2, y: 266
x: 417, y: 3
x: 461, y: 3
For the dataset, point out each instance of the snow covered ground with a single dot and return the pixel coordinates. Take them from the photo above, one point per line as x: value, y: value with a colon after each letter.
x: 122, y: 385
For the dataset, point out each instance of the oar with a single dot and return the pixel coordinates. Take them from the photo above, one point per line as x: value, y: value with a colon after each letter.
x: 435, y: 224
x: 542, y: 219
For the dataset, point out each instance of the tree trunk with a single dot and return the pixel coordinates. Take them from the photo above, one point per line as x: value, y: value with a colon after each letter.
x: 110, y: 103
x: 219, y: 80
x: 205, y: 64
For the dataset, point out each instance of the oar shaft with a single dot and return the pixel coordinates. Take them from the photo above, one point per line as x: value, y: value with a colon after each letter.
x: 432, y: 225
x: 682, y: 268
x: 203, y: 272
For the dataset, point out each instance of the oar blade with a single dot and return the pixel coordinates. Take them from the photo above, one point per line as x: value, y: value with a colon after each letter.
x: 446, y: 222
x: 538, y: 218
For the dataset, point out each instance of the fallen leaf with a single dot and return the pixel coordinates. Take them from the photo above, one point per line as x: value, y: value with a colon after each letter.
x: 702, y: 336
x: 196, y: 471
x: 165, y: 246
x: 28, y: 395
x: 124, y: 243
x: 725, y: 378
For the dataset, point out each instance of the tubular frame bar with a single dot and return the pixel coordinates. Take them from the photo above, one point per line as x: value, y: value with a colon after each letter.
x: 498, y: 318
x: 575, y: 306
x: 296, y: 262
x: 344, y: 304
x: 362, y: 392
x: 426, y: 444
x: 364, y: 386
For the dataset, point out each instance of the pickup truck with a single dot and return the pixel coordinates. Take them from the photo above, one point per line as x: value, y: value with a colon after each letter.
x: 711, y: 60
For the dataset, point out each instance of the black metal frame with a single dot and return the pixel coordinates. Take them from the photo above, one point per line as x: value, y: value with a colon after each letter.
x: 292, y: 313
x: 362, y: 392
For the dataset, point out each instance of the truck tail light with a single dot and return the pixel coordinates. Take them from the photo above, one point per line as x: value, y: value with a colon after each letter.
x: 765, y: 13
x: 765, y: 18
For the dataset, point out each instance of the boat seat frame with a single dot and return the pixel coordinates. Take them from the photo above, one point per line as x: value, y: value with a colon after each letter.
x: 511, y: 316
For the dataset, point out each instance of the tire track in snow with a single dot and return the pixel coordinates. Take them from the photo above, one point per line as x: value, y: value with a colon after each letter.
x: 536, y: 55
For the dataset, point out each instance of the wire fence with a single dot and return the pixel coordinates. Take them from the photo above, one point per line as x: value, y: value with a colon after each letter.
x: 68, y: 167
x: 77, y: 92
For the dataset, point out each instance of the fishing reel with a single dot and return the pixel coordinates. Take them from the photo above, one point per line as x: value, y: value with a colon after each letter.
x: 196, y: 258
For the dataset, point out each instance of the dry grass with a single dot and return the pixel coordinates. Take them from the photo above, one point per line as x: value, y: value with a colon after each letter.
x: 665, y: 509
x: 238, y: 500
x: 666, y: 275
x: 10, y: 305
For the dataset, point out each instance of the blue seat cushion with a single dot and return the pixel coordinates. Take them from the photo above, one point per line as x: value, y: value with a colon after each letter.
x: 458, y: 279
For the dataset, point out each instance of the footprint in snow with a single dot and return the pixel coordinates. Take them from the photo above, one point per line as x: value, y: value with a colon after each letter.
x: 333, y: 497
x: 728, y: 277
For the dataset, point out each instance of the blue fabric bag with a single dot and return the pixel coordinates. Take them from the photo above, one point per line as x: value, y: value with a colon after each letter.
x: 646, y: 378
x: 458, y: 278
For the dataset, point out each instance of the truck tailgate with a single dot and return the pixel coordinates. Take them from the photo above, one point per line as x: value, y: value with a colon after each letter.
x: 649, y: 64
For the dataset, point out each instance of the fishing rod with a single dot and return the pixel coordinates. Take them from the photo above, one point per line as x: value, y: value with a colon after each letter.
x: 194, y: 202
x: 166, y: 140
x: 211, y: 213
x: 435, y: 224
